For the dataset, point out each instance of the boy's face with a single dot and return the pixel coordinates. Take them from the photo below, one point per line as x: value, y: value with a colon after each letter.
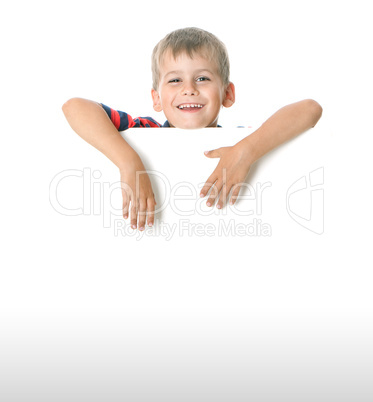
x: 191, y: 92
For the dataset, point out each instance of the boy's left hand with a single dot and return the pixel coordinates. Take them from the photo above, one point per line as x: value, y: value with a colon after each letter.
x: 230, y: 174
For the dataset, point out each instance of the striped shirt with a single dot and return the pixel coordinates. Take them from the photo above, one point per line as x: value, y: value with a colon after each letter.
x: 123, y: 121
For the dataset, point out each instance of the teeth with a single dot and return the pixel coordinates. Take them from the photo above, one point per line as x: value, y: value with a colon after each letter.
x: 190, y: 106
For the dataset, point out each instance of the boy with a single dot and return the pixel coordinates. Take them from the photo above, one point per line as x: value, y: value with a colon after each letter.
x: 190, y: 70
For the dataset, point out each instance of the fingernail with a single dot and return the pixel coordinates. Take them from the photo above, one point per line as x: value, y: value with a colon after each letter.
x: 202, y: 195
x: 141, y: 228
x: 209, y: 204
x: 150, y: 224
x: 218, y: 206
x: 133, y: 226
x: 206, y: 152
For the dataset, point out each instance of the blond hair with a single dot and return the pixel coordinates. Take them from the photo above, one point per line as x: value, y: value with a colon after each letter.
x: 191, y: 41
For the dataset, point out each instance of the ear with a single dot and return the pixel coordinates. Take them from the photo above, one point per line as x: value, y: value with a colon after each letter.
x: 156, y: 101
x: 230, y: 95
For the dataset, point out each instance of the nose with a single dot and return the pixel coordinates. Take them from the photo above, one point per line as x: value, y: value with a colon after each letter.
x: 189, y: 89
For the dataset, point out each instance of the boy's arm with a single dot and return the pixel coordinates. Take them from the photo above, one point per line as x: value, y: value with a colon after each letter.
x: 90, y: 121
x: 235, y: 161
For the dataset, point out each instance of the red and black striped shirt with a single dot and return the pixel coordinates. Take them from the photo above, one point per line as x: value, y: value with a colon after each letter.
x: 123, y: 121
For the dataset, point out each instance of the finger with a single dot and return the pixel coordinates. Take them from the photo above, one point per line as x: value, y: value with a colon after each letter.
x: 235, y: 191
x: 150, y: 211
x: 126, y: 191
x: 134, y: 211
x: 142, y: 213
x: 125, y: 204
x: 223, y: 197
x: 214, y: 193
x: 125, y: 210
x: 214, y: 153
x: 209, y: 183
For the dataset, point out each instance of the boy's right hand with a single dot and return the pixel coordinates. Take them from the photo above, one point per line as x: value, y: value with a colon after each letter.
x: 89, y: 120
x: 137, y: 193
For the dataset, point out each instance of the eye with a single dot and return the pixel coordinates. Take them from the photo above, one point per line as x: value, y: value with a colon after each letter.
x: 200, y: 79
x: 174, y: 80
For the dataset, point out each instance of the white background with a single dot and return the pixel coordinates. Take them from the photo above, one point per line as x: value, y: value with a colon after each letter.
x: 89, y: 316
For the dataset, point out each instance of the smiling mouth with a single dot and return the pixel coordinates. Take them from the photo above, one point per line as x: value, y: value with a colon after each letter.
x: 190, y: 107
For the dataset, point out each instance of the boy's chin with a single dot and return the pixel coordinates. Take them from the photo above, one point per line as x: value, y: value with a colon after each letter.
x: 191, y: 125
